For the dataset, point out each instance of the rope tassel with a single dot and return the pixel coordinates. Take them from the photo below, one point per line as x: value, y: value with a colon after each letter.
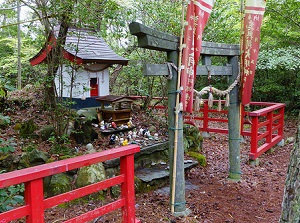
x: 227, y: 103
x: 197, y: 103
x: 219, y: 105
x: 210, y: 100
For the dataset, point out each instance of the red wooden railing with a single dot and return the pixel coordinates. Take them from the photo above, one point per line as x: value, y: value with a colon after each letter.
x: 265, y: 126
x: 209, y: 119
x: 35, y: 204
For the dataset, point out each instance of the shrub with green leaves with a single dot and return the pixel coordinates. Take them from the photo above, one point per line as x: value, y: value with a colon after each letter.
x: 4, y: 121
x: 4, y: 88
x: 5, y: 146
x: 10, y: 197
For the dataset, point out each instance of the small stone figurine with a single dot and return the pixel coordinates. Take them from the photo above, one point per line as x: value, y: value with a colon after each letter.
x: 147, y: 134
x: 121, y: 140
x: 141, y: 132
x: 129, y: 123
x: 112, y: 139
x: 114, y: 125
x: 125, y: 142
x: 102, y: 125
x: 134, y: 134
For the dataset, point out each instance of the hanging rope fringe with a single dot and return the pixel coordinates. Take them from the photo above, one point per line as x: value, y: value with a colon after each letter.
x: 219, y: 105
x: 197, y: 104
x: 227, y: 102
x: 210, y: 100
x: 210, y: 90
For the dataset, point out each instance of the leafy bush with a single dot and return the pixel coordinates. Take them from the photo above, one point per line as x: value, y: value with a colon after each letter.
x: 5, y: 146
x: 10, y: 197
x: 4, y: 121
x: 278, y: 77
x: 5, y: 86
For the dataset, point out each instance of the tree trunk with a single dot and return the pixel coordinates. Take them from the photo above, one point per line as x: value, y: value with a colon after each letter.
x: 291, y: 199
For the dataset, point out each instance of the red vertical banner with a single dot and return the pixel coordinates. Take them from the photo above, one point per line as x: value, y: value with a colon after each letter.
x: 198, y: 12
x: 202, y: 11
x: 254, y: 11
x: 188, y: 63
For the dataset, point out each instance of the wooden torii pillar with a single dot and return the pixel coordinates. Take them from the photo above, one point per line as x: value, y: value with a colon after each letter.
x: 152, y: 39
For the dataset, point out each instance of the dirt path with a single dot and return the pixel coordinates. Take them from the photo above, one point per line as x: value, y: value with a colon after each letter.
x: 257, y: 198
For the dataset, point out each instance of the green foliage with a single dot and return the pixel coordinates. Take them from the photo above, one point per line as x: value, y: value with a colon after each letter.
x: 47, y: 132
x: 5, y: 86
x: 287, y: 58
x: 162, y: 15
x: 5, y: 145
x: 4, y: 121
x: 11, y: 196
x: 224, y: 23
x: 281, y: 24
x: 279, y: 43
x: 60, y: 145
x: 277, y: 77
x: 29, y: 148
x: 63, y: 139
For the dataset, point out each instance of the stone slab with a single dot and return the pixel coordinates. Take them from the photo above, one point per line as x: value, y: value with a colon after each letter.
x: 154, y: 173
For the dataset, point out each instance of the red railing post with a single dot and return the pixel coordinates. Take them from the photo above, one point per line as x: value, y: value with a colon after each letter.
x: 254, y: 138
x: 269, y: 127
x: 205, y: 116
x: 281, y: 121
x: 34, y: 197
x: 127, y: 189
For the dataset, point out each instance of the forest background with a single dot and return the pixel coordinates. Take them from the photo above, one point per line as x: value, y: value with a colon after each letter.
x: 277, y: 77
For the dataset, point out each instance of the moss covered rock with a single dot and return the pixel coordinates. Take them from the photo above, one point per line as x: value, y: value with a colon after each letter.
x: 90, y: 174
x: 27, y: 128
x: 46, y: 132
x: 58, y: 184
x: 33, y: 158
x: 6, y: 161
x: 84, y: 132
x: 199, y: 157
x: 192, y: 138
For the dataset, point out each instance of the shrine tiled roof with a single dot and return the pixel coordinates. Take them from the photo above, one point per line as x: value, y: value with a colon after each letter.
x: 82, y: 45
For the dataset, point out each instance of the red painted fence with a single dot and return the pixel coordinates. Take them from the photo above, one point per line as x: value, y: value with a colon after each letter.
x: 35, y: 204
x: 267, y: 126
x: 264, y: 126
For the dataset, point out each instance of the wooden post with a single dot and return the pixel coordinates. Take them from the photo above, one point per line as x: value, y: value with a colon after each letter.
x: 179, y: 190
x: 155, y: 40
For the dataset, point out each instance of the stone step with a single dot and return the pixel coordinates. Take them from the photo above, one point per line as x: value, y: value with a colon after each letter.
x: 160, y: 171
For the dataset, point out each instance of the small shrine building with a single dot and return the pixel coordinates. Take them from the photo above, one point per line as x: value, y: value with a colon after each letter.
x: 90, y: 57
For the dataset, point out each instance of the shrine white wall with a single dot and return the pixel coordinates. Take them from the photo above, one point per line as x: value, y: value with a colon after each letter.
x: 81, y: 81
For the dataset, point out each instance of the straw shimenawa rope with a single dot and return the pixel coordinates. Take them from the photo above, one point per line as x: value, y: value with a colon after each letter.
x: 212, y: 90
